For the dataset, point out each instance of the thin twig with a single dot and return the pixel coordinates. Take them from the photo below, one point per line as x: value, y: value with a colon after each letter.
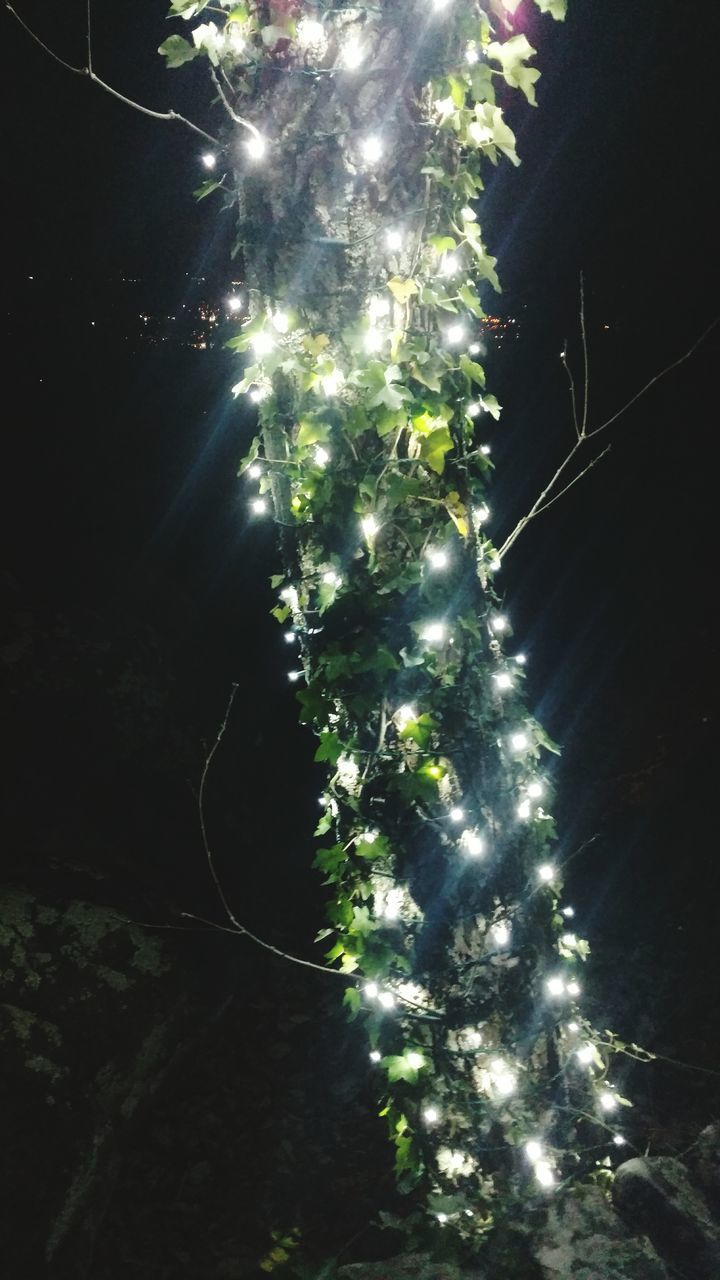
x: 89, y: 38
x: 90, y: 75
x: 570, y: 484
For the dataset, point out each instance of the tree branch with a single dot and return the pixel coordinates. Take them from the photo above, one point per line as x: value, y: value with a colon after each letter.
x: 90, y: 74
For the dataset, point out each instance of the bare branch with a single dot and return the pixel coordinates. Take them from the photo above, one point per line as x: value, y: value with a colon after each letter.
x: 668, y: 369
x: 267, y: 946
x: 90, y: 74
x: 548, y: 495
x: 89, y: 37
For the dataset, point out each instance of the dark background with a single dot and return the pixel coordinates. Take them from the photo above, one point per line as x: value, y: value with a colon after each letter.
x: 136, y: 589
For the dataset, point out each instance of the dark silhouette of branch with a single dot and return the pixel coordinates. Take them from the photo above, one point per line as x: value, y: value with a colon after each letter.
x: 90, y: 75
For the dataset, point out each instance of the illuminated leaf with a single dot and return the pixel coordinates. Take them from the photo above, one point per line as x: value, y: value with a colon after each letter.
x: 402, y: 290
x: 512, y: 56
x: 558, y: 8
x: 178, y: 51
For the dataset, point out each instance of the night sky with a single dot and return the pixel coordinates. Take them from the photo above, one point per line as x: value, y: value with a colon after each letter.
x: 135, y: 588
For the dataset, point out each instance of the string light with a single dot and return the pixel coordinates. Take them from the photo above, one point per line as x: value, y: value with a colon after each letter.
x: 533, y: 1151
x: 456, y: 815
x: 259, y: 507
x: 371, y: 990
x: 259, y: 393
x: 332, y: 382
x: 471, y: 55
x: 519, y: 741
x: 415, y: 1060
x: 520, y: 659
x: 434, y: 633
x: 208, y: 160
x: 499, y: 623
x: 535, y: 790
x: 449, y: 264
x: 234, y: 303
x: 254, y: 471
x: 394, y: 239
x: 503, y: 680
x: 555, y: 986
x: 375, y: 1055
x: 353, y: 53
x: 370, y: 526
x: 290, y: 637
x: 524, y: 809
x: 544, y: 1173
x: 619, y: 1140
x: 569, y: 912
x: 262, y: 343
x: 586, y: 1055
x: 438, y: 559
x: 473, y: 843
x: 331, y: 578
x: 475, y: 349
x: 569, y: 940
x: 455, y: 335
x: 501, y: 933
x: 281, y: 321
x: 473, y: 408
x: 256, y: 146
x: 573, y: 1027
x: 607, y: 1101
x: 405, y: 715
x: 310, y: 32
x: 294, y: 676
x: 573, y: 988
x: 371, y: 149
x: 546, y: 872
x: 387, y: 999
x: 431, y: 1115
x: 481, y: 514
x: 321, y: 456
x: 485, y: 450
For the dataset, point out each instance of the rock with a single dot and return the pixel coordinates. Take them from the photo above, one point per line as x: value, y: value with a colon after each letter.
x: 584, y: 1239
x: 704, y: 1163
x: 657, y: 1198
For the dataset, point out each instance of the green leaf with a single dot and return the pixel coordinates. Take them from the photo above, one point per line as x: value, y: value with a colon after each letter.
x: 402, y: 290
x: 512, y: 56
x: 353, y: 1001
x: 419, y: 730
x: 398, y: 1068
x: 311, y: 432
x: 473, y: 371
x: 558, y: 8
x: 178, y: 51
x: 471, y: 300
x: 188, y: 8
x: 434, y: 447
x: 330, y: 747
x: 207, y: 187
x: 491, y: 404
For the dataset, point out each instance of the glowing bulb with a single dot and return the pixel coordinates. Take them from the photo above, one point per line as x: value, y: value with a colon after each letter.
x: 353, y: 53
x: 524, y: 809
x: 293, y: 676
x: 256, y: 146
x: 289, y: 594
x: 473, y: 408
x: 431, y: 1115
x: 262, y: 343
x: 394, y: 240
x: 467, y: 214
x: 369, y: 837
x: 373, y: 340
x: 331, y: 578
x: 520, y: 659
x: 569, y: 912
x: 546, y: 872
x: 501, y: 933
x: 259, y: 393
x: 254, y: 471
x: 482, y: 514
x: 471, y: 55
x: 371, y: 149
x: 569, y: 940
x: 607, y: 1101
x: 533, y: 1151
x: 209, y: 160
x: 387, y: 999
x: 555, y: 986
x: 258, y: 507
x: 472, y: 843
x: 440, y: 4
x: 503, y: 680
x: 456, y: 815
x: 378, y: 308
x: 281, y: 321
x: 310, y: 32
x: 504, y: 1081
x: 393, y: 904
x: 369, y: 526
x: 455, y: 334
x: 234, y: 304
x: 404, y: 715
x: 495, y: 564
x: 485, y: 450
x: 499, y: 623
x: 573, y: 988
x: 375, y: 1055
x: 573, y: 1026
x: 332, y: 382
x: 535, y: 790
x: 442, y: 1218
x: 434, y: 633
x: 438, y: 559
x: 449, y: 264
x: 544, y: 1174
x: 619, y: 1140
x: 321, y: 456
x: 586, y: 1055
x: 519, y: 741
x: 290, y: 637
x: 235, y: 40
x: 414, y: 1060
x: 474, y: 348
x: 371, y: 990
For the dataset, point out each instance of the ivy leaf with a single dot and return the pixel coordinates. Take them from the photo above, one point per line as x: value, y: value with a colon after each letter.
x: 512, y: 56
x: 434, y: 447
x: 402, y: 290
x: 492, y: 405
x: 471, y: 300
x: 188, y: 8
x: 511, y: 5
x: 330, y: 748
x: 473, y: 371
x: 558, y: 8
x: 207, y: 187
x: 310, y: 432
x: 314, y: 346
x: 489, y: 130
x: 178, y: 51
x: 419, y: 730
x: 398, y: 1068
x: 457, y: 511
x: 353, y: 1001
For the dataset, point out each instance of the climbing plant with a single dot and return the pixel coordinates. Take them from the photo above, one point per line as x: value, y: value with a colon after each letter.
x: 354, y: 149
